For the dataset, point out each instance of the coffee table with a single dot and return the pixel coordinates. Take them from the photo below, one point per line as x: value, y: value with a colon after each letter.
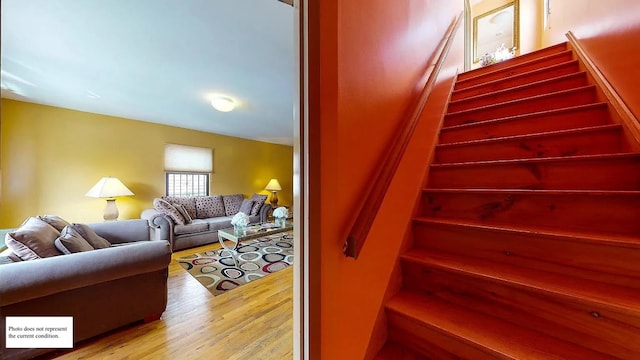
x: 251, y: 232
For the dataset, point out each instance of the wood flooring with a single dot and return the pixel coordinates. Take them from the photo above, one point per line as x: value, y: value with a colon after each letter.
x: 254, y: 321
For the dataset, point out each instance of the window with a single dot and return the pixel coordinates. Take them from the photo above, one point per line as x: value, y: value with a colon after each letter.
x: 187, y: 184
x: 187, y: 170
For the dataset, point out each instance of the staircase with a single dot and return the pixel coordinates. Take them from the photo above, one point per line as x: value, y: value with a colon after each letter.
x: 526, y: 243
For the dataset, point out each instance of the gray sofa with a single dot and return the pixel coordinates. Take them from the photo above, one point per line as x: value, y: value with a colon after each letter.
x: 205, y: 220
x: 102, y: 289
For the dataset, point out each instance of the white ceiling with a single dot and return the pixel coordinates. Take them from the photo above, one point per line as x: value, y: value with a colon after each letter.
x: 156, y: 61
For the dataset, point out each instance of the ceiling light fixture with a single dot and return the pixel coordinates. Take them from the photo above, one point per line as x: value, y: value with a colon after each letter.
x: 223, y: 103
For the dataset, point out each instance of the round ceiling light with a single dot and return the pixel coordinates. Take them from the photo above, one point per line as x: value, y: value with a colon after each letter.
x: 223, y: 103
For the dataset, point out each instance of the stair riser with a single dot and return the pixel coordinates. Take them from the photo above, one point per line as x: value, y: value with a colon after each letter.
x: 536, y: 75
x: 610, y: 214
x: 591, y: 116
x: 581, y: 96
x: 517, y: 60
x: 603, y: 174
x: 581, y: 259
x: 564, y: 83
x: 517, y: 70
x: 589, y: 325
x: 423, y: 338
x: 583, y: 143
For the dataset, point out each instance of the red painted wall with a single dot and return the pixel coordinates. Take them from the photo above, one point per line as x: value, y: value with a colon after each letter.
x: 610, y: 32
x: 367, y: 63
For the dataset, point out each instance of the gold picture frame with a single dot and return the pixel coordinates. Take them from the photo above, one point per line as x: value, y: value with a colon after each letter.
x: 496, y: 27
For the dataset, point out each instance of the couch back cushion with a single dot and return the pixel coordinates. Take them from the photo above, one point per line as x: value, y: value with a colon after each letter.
x: 34, y: 239
x: 232, y: 203
x: 246, y: 206
x: 258, y: 201
x: 189, y: 203
x: 209, y: 206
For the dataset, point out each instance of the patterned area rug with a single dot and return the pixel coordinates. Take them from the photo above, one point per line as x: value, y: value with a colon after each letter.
x: 221, y: 270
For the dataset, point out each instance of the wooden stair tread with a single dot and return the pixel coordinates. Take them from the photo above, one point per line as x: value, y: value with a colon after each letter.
x: 507, y: 68
x: 616, y: 298
x: 497, y: 121
x: 507, y: 79
x: 518, y: 87
x: 560, y: 234
x: 500, y: 338
x: 608, y: 127
x: 560, y: 93
x: 619, y: 156
x: 394, y: 351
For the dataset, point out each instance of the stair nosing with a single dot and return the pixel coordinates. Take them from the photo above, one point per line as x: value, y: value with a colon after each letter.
x: 606, y: 128
x: 528, y: 73
x: 578, y: 89
x: 587, y: 107
x: 520, y: 87
x: 538, y: 160
x: 577, y: 237
x: 515, y: 66
x: 486, y: 270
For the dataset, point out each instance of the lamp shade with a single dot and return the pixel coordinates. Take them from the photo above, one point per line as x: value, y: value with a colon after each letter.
x: 108, y: 187
x: 273, y: 185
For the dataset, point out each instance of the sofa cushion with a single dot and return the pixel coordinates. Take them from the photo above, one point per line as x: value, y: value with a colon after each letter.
x: 70, y: 241
x: 258, y: 201
x: 232, y: 203
x: 218, y: 223
x: 95, y: 240
x: 246, y: 206
x: 189, y: 203
x: 196, y: 226
x: 183, y: 211
x: 209, y: 206
x: 166, y: 208
x: 34, y: 239
x: 55, y: 221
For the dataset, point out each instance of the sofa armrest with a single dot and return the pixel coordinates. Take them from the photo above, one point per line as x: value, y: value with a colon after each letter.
x: 33, y: 279
x: 264, y: 212
x: 124, y: 231
x: 161, y: 225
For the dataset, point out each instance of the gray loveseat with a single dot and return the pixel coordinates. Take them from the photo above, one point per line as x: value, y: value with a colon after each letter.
x: 205, y: 215
x: 102, y: 289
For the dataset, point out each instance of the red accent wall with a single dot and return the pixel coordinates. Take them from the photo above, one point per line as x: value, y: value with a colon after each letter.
x: 367, y: 64
x: 610, y: 32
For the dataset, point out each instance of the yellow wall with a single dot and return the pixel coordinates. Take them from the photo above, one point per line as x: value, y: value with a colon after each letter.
x: 52, y: 156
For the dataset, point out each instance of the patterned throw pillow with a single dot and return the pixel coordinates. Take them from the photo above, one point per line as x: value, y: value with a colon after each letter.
x: 209, y: 207
x: 189, y: 203
x: 184, y: 213
x: 258, y: 201
x: 164, y: 207
x: 34, y: 239
x: 87, y: 233
x: 70, y: 241
x: 232, y: 203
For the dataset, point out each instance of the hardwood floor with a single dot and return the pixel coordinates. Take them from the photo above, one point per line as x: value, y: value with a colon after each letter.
x: 254, y: 321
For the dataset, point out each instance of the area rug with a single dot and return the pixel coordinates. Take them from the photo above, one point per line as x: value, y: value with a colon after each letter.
x: 221, y: 270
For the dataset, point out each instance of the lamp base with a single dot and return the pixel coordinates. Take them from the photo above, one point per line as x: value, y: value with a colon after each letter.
x: 111, y: 211
x: 274, y: 199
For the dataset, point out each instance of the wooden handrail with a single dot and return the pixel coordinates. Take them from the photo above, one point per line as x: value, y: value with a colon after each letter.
x: 379, y: 185
x: 629, y: 120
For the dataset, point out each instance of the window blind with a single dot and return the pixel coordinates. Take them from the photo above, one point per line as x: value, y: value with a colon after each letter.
x: 187, y: 158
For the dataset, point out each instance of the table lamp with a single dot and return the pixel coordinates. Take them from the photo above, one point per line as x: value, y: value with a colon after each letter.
x: 274, y: 187
x: 109, y: 187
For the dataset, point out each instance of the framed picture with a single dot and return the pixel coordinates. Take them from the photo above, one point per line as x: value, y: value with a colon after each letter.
x: 495, y: 28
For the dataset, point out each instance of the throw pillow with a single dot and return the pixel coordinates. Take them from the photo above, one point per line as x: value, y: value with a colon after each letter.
x: 258, y: 201
x: 95, y: 240
x: 189, y: 203
x: 232, y: 203
x: 185, y: 214
x: 34, y: 239
x: 166, y: 208
x: 209, y: 206
x: 71, y: 242
x: 246, y: 206
x: 55, y: 221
